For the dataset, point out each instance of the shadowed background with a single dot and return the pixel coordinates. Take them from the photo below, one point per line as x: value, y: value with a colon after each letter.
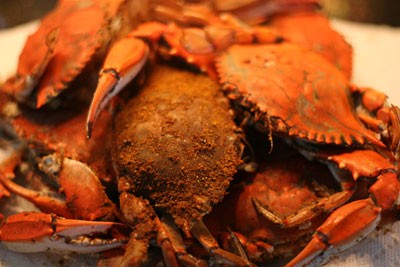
x: 375, y: 11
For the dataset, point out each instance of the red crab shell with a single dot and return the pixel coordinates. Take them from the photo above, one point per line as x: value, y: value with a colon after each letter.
x: 65, y: 47
x: 286, y: 184
x: 294, y: 91
x: 48, y: 60
x: 56, y: 141
x: 312, y: 30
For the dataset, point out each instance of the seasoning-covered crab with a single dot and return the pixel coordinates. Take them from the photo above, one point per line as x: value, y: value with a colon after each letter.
x: 176, y: 149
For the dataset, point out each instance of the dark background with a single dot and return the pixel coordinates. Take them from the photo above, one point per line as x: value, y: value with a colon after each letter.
x: 373, y: 11
x: 14, y: 12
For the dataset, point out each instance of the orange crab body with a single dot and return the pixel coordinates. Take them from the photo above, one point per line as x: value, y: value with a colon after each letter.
x: 291, y: 85
x: 65, y: 49
x: 310, y: 106
x: 298, y: 195
x: 304, y: 28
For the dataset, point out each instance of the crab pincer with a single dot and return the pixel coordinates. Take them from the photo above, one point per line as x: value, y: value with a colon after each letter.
x: 37, y: 232
x: 339, y: 231
x: 124, y: 61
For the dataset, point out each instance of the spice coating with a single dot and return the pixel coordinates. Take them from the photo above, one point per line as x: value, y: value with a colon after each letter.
x: 176, y: 144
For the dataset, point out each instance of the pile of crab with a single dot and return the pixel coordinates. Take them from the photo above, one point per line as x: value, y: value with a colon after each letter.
x: 237, y: 140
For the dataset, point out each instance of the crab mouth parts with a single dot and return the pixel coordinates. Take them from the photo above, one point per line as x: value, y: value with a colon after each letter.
x: 83, y: 244
x: 89, y: 240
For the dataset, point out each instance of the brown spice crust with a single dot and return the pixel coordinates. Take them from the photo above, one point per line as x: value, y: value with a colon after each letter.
x: 176, y: 144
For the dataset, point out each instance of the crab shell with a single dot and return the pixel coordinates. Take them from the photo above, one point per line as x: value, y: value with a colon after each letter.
x: 48, y: 61
x: 287, y: 184
x: 312, y: 31
x: 177, y: 138
x: 176, y: 148
x: 64, y: 48
x: 58, y: 148
x: 294, y: 92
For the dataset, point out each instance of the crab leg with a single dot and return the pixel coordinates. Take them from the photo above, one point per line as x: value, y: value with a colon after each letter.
x: 36, y: 232
x: 124, y: 61
x: 141, y: 217
x: 379, y: 116
x: 172, y: 245
x: 306, y: 214
x: 7, y: 167
x: 85, y: 197
x: 30, y: 69
x: 44, y: 203
x: 394, y: 115
x: 202, y: 234
x: 353, y: 221
x: 309, y: 212
x: 342, y: 229
x: 374, y: 110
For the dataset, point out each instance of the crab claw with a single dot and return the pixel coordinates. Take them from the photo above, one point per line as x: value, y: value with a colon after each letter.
x: 85, y: 197
x: 37, y: 232
x: 31, y: 69
x: 342, y: 229
x: 123, y: 62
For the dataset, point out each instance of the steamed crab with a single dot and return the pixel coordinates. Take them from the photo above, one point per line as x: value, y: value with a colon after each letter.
x: 290, y: 113
x: 314, y: 116
x: 362, y: 156
x: 206, y: 31
x: 271, y: 215
x: 302, y: 189
x: 144, y: 174
x: 56, y: 150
